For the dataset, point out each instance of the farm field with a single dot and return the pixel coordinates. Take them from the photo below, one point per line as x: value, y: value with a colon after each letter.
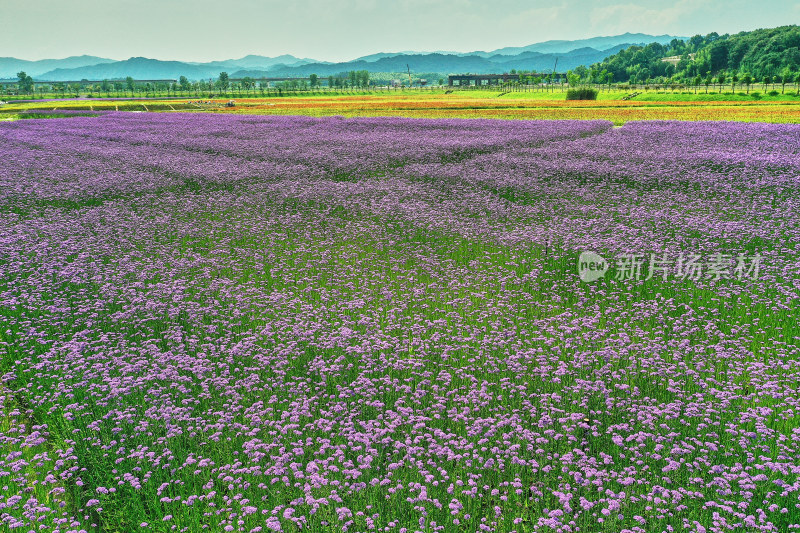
x: 233, y: 322
x: 470, y: 104
x: 617, y: 111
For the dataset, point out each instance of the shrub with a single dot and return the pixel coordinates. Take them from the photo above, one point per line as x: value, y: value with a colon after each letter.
x: 755, y: 95
x: 582, y: 93
x: 773, y: 93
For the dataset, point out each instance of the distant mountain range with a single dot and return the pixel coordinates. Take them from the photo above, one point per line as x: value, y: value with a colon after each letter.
x: 539, y: 57
x: 445, y: 63
x: 253, y: 61
x: 9, y: 66
x: 96, y: 68
x: 598, y: 43
x: 142, y: 68
x: 547, y: 47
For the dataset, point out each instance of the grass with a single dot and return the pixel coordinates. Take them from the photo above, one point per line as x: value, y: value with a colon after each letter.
x: 30, y: 449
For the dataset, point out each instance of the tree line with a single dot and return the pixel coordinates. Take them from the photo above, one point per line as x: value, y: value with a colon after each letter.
x: 223, y: 83
x: 762, y: 56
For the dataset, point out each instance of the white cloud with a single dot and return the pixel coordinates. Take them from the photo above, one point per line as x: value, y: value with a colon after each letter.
x: 619, y: 18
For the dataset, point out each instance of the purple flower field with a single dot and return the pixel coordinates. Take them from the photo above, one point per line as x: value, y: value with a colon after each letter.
x: 243, y: 323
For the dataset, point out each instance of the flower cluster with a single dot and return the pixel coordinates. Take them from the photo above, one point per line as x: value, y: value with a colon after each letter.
x: 242, y: 323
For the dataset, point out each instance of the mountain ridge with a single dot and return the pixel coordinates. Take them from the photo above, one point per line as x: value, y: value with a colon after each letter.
x: 446, y: 64
x: 10, y: 66
x: 537, y: 56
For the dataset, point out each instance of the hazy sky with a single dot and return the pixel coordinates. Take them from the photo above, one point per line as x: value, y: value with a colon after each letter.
x: 335, y: 30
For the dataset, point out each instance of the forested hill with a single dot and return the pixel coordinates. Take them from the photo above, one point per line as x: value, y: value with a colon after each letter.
x: 773, y: 52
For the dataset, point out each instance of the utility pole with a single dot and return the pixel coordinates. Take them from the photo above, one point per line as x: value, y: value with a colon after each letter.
x: 554, y: 71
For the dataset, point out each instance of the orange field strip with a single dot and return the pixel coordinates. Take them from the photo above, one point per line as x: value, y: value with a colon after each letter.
x: 617, y: 111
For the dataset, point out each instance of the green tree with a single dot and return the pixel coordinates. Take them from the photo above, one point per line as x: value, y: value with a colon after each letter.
x: 794, y: 77
x: 786, y: 76
x: 573, y: 79
x: 222, y: 81
x: 761, y: 53
x: 25, y: 82
x: 130, y: 84
x: 183, y: 81
x: 313, y: 80
x: 747, y: 79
